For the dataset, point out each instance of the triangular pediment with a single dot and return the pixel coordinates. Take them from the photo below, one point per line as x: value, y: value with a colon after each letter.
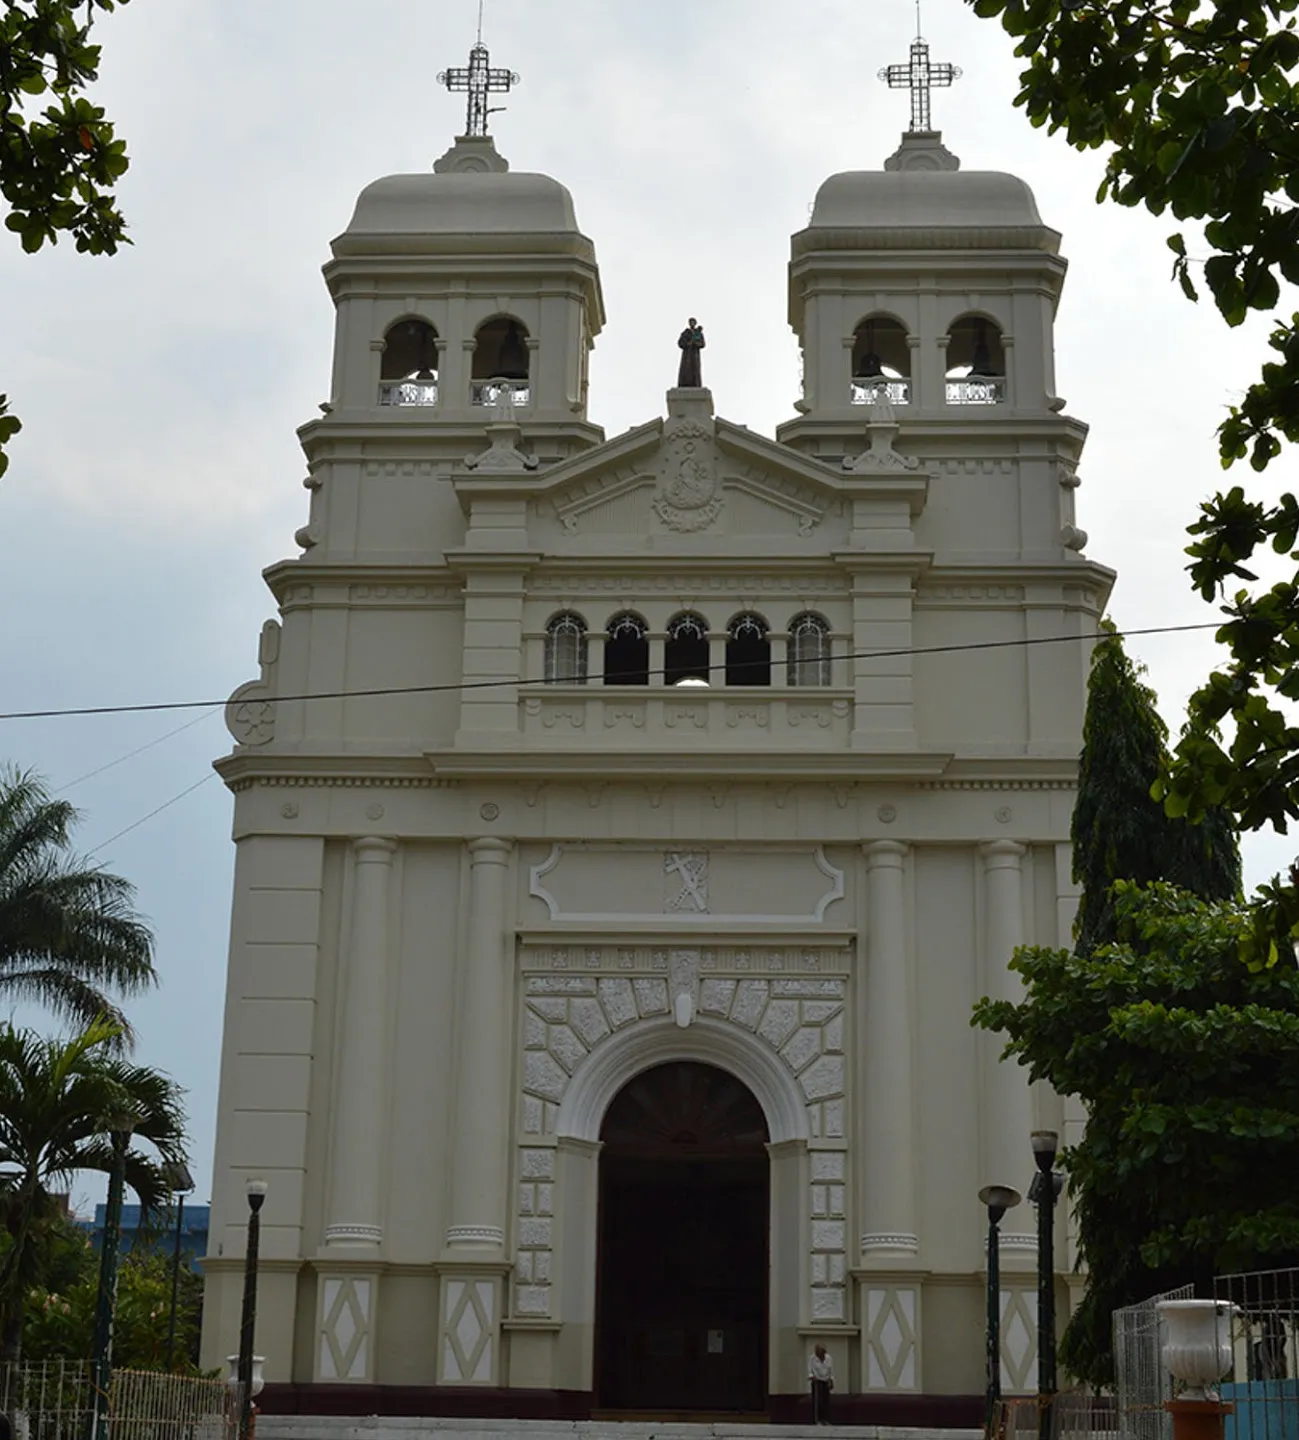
x: 692, y: 474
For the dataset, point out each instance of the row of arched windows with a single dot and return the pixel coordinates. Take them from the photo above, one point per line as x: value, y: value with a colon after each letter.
x: 686, y: 650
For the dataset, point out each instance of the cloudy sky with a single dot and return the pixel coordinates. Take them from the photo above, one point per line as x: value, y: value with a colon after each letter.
x: 159, y: 472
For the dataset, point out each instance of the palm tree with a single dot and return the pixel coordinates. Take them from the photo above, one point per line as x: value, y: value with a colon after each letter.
x: 61, y: 1102
x: 68, y: 931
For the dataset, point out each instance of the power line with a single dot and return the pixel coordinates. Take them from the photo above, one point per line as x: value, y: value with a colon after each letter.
x: 157, y: 810
x: 151, y: 707
x: 139, y: 750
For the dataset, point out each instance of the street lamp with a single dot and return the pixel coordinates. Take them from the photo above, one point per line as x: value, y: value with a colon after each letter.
x: 1043, y: 1192
x: 256, y: 1191
x: 998, y: 1199
x: 181, y: 1182
x: 101, y: 1355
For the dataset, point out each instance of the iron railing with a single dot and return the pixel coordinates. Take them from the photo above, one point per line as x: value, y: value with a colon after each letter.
x: 54, y: 1400
x: 895, y: 390
x: 1262, y: 1386
x: 1142, y: 1385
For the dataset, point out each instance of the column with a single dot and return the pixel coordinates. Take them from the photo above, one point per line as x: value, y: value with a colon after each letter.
x: 479, y: 1174
x: 888, y: 1201
x: 356, y: 1179
x: 473, y: 1267
x: 347, y: 1278
x: 1008, y: 1104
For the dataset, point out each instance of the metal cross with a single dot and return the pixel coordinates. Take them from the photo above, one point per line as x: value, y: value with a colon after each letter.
x: 480, y: 80
x: 918, y: 75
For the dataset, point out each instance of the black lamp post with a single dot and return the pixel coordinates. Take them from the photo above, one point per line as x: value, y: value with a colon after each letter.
x: 181, y: 1182
x: 101, y: 1357
x: 998, y: 1199
x: 256, y: 1190
x: 1043, y: 1192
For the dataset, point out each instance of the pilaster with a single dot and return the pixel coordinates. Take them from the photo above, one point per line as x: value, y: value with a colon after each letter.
x: 1008, y: 1105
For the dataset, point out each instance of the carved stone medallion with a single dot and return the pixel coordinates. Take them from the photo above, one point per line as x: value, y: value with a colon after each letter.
x: 690, y: 496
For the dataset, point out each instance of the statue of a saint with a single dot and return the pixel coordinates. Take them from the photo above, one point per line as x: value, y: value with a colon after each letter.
x: 690, y: 375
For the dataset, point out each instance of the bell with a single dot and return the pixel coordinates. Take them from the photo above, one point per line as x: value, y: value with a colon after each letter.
x: 982, y: 363
x: 514, y: 356
x: 869, y: 366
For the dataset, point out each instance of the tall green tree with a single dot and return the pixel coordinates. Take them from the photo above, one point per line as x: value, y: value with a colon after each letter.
x: 60, y: 1103
x: 59, y: 157
x: 69, y: 933
x: 1199, y: 104
x: 1119, y: 831
x: 1188, y: 1064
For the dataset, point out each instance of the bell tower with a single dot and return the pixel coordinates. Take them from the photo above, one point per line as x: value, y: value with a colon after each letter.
x: 464, y: 296
x: 924, y: 286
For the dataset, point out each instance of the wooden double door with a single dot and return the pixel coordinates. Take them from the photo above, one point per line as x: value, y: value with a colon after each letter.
x: 683, y: 1245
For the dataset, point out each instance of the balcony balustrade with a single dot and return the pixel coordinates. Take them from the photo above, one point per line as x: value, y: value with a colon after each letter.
x: 977, y: 390
x: 896, y: 390
x: 408, y: 392
x: 732, y: 717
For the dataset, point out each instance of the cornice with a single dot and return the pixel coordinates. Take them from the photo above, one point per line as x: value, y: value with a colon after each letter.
x: 1038, y: 245
x: 243, y: 769
x: 666, y: 765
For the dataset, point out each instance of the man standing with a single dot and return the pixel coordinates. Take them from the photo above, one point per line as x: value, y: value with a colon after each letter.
x: 690, y: 375
x: 820, y: 1371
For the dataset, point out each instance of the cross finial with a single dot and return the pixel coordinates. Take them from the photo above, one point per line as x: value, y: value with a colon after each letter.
x: 480, y: 80
x: 919, y: 75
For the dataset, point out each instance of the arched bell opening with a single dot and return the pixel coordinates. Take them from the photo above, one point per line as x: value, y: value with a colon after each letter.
x: 976, y: 362
x: 748, y: 650
x: 501, y: 356
x: 565, y: 658
x: 881, y: 362
x: 685, y: 655
x: 626, y: 650
x: 408, y: 370
x: 682, y: 1250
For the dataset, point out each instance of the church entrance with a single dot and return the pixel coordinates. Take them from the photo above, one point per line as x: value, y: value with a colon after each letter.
x: 681, y: 1304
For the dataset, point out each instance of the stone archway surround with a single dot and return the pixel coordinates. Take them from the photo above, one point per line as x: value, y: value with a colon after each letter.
x: 773, y: 1018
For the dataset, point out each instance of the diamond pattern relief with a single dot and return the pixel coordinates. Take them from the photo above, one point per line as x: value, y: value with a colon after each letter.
x: 891, y: 1339
x: 469, y: 1331
x: 1018, y: 1341
x: 345, y: 1327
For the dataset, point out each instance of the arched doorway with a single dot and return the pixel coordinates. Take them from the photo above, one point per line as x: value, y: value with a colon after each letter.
x: 681, y: 1319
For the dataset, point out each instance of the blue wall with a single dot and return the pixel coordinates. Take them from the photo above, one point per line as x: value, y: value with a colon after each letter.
x: 161, y: 1237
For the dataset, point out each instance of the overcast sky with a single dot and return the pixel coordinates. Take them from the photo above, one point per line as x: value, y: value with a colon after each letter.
x: 158, y: 470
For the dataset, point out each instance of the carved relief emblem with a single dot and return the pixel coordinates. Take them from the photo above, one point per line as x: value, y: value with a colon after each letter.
x: 690, y: 497
x: 686, y: 891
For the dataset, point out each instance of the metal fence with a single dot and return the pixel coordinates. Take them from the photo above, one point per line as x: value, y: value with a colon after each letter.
x: 55, y: 1401
x: 1263, y: 1384
x: 1141, y: 1384
x: 1075, y: 1415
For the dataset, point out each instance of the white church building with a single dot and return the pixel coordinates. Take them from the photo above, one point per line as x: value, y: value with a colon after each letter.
x: 606, y: 926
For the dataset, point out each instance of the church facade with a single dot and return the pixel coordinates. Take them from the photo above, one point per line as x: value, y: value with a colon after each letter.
x: 626, y: 827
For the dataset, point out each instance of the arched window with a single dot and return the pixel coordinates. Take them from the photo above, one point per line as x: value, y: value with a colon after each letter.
x: 566, y: 649
x: 976, y: 362
x: 626, y: 650
x: 809, y: 650
x: 685, y: 656
x: 500, y: 354
x: 881, y: 362
x: 408, y: 371
x: 748, y: 651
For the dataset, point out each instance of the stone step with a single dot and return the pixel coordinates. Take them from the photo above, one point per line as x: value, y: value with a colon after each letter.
x: 374, y: 1427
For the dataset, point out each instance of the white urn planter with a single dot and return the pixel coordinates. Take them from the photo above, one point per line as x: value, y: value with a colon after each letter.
x: 1197, y: 1344
x: 259, y: 1380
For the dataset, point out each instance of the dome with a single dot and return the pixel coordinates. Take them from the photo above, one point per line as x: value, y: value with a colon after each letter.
x: 464, y: 203
x: 924, y: 199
